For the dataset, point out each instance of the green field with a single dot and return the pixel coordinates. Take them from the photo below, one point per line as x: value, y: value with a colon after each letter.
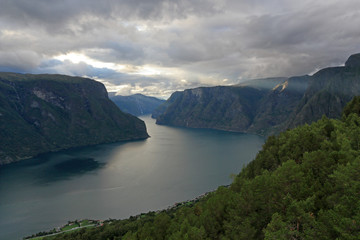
x: 70, y: 226
x: 76, y: 225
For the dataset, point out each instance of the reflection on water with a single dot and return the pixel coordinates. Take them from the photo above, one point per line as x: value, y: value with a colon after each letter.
x: 120, y: 179
x: 68, y: 169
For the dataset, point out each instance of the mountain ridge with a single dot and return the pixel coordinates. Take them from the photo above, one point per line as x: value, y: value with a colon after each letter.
x: 137, y: 104
x: 291, y: 102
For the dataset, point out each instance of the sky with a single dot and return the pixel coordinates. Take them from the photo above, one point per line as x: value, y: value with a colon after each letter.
x: 156, y: 47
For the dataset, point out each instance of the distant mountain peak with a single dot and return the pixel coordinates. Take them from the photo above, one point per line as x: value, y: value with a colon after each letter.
x: 137, y: 104
x: 353, y: 61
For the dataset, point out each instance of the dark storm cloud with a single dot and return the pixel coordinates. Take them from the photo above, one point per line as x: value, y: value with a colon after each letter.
x: 56, y: 13
x: 307, y: 39
x: 192, y: 42
x: 113, y: 51
x: 19, y: 61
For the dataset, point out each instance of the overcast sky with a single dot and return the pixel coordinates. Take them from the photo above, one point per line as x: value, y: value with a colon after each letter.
x: 156, y: 47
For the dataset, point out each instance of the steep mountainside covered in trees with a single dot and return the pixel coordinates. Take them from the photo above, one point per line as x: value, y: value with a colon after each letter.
x: 303, y: 184
x: 292, y: 102
x: 137, y: 104
x: 328, y: 92
x: 42, y: 113
x: 161, y: 108
x: 226, y: 108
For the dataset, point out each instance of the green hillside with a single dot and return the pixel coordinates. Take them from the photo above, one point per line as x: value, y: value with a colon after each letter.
x: 303, y: 184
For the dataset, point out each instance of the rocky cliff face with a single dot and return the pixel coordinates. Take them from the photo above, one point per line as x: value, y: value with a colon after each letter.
x: 162, y: 108
x: 226, y: 108
x: 258, y: 107
x: 42, y: 113
x: 328, y: 92
x: 274, y: 110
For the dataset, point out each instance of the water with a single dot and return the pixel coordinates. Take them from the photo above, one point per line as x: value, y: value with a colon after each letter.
x: 119, y: 180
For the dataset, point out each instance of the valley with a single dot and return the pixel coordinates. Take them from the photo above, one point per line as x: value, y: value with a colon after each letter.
x: 119, y: 180
x: 179, y: 120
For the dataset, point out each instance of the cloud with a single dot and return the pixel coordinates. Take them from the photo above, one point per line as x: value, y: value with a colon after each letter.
x: 122, y: 83
x: 113, y: 51
x: 151, y: 46
x: 19, y: 61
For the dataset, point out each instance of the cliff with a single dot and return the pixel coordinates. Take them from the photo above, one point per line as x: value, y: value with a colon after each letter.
x: 43, y: 113
x: 225, y: 108
x: 266, y: 106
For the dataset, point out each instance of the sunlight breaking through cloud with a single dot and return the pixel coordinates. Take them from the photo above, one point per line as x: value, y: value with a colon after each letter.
x: 155, y: 44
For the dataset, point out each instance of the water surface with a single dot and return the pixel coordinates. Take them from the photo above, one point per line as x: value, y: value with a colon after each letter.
x: 119, y: 180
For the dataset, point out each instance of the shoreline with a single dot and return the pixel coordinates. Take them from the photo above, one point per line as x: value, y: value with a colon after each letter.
x: 20, y: 159
x: 100, y: 223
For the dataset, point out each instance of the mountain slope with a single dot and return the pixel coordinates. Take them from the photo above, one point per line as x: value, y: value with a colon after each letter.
x: 226, y: 108
x: 257, y: 106
x: 303, y: 184
x: 162, y: 108
x: 274, y: 110
x: 328, y: 92
x: 42, y: 113
x: 292, y: 102
x: 137, y: 104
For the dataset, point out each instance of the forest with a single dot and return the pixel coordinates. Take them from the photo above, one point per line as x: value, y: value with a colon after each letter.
x: 303, y: 184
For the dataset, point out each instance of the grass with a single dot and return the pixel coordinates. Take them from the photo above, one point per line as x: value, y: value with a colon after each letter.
x: 85, y: 223
x: 69, y: 227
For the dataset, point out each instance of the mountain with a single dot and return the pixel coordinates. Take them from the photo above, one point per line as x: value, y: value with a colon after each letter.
x: 226, y: 108
x: 43, y: 113
x: 274, y: 110
x: 137, y: 104
x: 266, y: 106
x: 253, y: 106
x: 328, y: 92
x: 161, y: 108
x: 303, y: 184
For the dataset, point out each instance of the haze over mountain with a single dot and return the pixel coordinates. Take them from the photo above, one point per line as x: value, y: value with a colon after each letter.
x: 265, y: 106
x: 43, y: 113
x: 136, y: 104
x: 157, y: 47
